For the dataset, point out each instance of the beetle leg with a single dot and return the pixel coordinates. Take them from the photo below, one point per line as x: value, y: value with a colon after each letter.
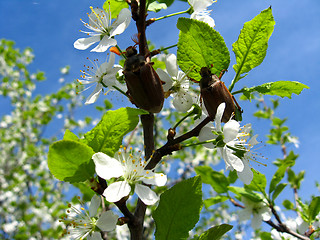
x: 222, y: 72
x: 235, y: 101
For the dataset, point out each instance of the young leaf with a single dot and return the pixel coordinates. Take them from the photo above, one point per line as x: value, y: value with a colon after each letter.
x: 251, y: 47
x: 255, y: 197
x: 178, y: 210
x: 216, y: 232
x: 70, y: 161
x: 258, y: 182
x: 289, y: 161
x: 68, y: 135
x: 288, y: 205
x: 279, y: 88
x: 278, y: 190
x: 200, y: 46
x: 217, y: 180
x: 107, y: 136
x: 115, y: 6
x: 265, y: 236
x: 156, y: 6
x: 214, y: 200
x: 314, y: 208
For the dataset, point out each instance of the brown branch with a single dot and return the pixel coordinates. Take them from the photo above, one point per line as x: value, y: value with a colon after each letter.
x: 174, y: 144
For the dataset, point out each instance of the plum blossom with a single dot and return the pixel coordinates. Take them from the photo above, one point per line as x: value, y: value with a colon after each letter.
x: 103, y: 76
x: 259, y: 210
x: 200, y: 11
x: 103, y: 31
x: 231, y: 139
x: 85, y: 224
x: 131, y: 169
x: 177, y: 83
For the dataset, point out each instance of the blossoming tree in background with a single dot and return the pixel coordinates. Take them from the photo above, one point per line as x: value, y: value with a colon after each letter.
x: 143, y: 167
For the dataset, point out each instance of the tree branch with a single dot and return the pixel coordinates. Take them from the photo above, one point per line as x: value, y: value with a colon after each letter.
x: 174, y: 144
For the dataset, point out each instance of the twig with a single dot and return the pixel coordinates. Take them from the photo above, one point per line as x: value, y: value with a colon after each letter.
x: 174, y: 144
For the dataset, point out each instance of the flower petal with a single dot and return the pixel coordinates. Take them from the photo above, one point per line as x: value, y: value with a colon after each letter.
x: 84, y: 43
x: 104, y: 44
x: 199, y: 5
x: 203, y: 18
x: 219, y: 114
x: 266, y: 213
x: 171, y: 65
x: 146, y: 195
x: 230, y: 130
x: 256, y: 221
x: 121, y: 23
x: 244, y: 214
x: 158, y: 179
x: 107, y: 167
x: 246, y: 175
x: 94, y: 205
x: 107, y: 221
x: 117, y: 190
x: 111, y: 61
x: 233, y: 160
x: 94, y: 236
x: 205, y: 135
x: 94, y: 95
x: 165, y: 78
x: 253, y: 141
x: 182, y: 101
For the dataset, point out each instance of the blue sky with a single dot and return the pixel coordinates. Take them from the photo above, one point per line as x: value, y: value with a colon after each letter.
x: 51, y: 27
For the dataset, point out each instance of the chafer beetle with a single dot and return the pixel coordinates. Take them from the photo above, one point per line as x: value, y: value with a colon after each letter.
x: 144, y: 85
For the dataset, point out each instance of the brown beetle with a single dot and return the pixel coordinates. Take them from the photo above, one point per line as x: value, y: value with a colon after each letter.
x: 214, y: 92
x: 144, y: 84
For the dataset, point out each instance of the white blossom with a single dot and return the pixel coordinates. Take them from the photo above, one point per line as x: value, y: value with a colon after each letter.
x: 85, y: 223
x: 102, y: 30
x: 200, y: 11
x: 131, y: 169
x: 234, y: 138
x: 177, y: 83
x: 259, y: 211
x: 103, y: 76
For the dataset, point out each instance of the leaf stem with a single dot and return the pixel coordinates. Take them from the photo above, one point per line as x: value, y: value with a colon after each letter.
x: 213, y: 141
x: 173, y: 14
x: 172, y: 46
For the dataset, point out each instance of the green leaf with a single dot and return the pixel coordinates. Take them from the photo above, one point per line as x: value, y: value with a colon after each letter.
x: 178, y: 210
x: 288, y: 204
x: 279, y: 174
x: 156, y: 6
x: 216, y: 232
x: 255, y: 197
x: 68, y: 135
x: 70, y: 161
x: 200, y: 46
x: 258, y: 182
x: 278, y: 190
x: 265, y: 236
x: 304, y: 212
x: 232, y: 176
x: 279, y: 88
x: 314, y: 208
x: 107, y: 136
x: 115, y: 7
x: 214, y: 200
x: 251, y: 47
x: 217, y: 180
